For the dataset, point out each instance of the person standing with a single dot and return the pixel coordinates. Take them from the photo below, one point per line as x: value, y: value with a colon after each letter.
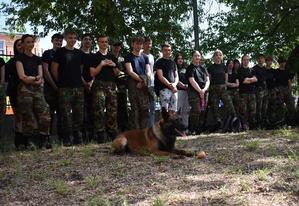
x: 2, y: 92
x: 104, y: 69
x: 183, y: 103
x: 218, y: 77
x: 11, y: 91
x: 233, y: 85
x: 67, y: 67
x: 166, y: 79
x: 122, y: 89
x: 50, y: 86
x: 147, y: 46
x: 198, y: 85
x: 247, y: 81
x: 88, y: 127
x: 261, y: 90
x: 138, y: 69
x: 283, y: 80
x: 30, y: 95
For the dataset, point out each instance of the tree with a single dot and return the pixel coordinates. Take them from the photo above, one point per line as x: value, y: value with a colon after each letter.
x: 252, y: 27
x: 162, y: 20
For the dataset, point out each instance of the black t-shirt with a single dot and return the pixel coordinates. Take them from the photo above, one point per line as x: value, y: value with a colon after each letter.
x: 242, y: 74
x: 30, y: 64
x: 11, y: 76
x: 182, y: 77
x: 270, y: 78
x: 106, y: 74
x: 261, y: 75
x: 199, y: 74
x: 87, y: 58
x: 69, y: 71
x: 47, y: 57
x: 138, y: 62
x: 232, y: 78
x: 168, y: 67
x: 282, y: 77
x: 217, y: 73
x: 2, y: 63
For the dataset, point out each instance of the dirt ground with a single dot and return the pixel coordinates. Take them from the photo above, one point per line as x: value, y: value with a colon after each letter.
x: 254, y: 168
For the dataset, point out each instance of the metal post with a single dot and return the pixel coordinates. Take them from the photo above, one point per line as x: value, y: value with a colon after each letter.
x: 195, y: 26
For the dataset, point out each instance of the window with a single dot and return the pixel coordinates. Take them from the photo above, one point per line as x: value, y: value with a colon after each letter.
x: 2, y: 46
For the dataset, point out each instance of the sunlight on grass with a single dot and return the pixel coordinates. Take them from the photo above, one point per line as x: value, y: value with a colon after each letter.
x: 290, y: 134
x: 262, y: 174
x: 251, y: 145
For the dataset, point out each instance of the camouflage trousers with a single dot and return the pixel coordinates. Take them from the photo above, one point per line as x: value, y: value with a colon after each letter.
x: 196, y: 115
x: 284, y: 96
x: 217, y: 93
x: 140, y: 103
x: 272, y: 109
x: 235, y: 97
x: 261, y: 105
x: 104, y: 95
x: 248, y: 108
x: 71, y: 102
x: 32, y: 105
x: 2, y: 101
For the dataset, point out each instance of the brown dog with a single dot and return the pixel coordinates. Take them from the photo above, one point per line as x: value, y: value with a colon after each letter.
x: 159, y: 139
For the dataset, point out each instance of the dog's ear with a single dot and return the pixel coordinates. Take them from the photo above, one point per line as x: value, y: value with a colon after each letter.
x: 164, y: 113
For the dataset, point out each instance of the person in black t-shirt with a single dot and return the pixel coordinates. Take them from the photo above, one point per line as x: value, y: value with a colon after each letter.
x: 104, y: 69
x: 218, y: 78
x: 167, y: 78
x: 261, y: 90
x: 139, y: 83
x: 198, y: 85
x: 233, y: 85
x: 67, y: 66
x: 283, y: 81
x: 271, y: 98
x: 2, y: 90
x: 247, y: 81
x: 182, y: 86
x: 30, y: 95
x: 88, y: 127
x: 50, y: 87
x: 11, y: 91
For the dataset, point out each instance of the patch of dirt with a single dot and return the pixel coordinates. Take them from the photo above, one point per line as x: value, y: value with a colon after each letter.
x: 254, y: 168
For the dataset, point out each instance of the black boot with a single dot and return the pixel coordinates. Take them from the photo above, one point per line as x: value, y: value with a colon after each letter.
x: 20, y: 141
x: 100, y: 137
x: 66, y: 140
x: 45, y: 141
x: 111, y: 135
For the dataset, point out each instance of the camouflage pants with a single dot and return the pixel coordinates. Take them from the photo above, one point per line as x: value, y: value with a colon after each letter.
x: 183, y: 106
x: 261, y: 105
x: 139, y: 99
x: 235, y: 97
x: 284, y: 96
x: 248, y: 108
x: 196, y: 117
x: 122, y: 108
x: 104, y: 95
x: 217, y: 93
x: 71, y: 102
x: 272, y: 110
x: 32, y: 105
x: 2, y: 101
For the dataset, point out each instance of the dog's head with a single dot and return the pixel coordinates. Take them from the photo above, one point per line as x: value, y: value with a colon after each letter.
x: 172, y: 125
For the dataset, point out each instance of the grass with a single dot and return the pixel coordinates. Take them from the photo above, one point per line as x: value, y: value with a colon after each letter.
x: 93, y: 181
x: 64, y: 162
x: 262, y: 174
x: 160, y: 159
x: 88, y: 152
x: 158, y: 202
x: 61, y: 187
x: 99, y: 201
x: 290, y: 134
x: 252, y: 145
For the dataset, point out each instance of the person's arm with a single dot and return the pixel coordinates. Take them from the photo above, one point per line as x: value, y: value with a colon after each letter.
x: 48, y: 76
x: 95, y: 70
x: 207, y: 85
x: 39, y: 78
x: 162, y: 79
x: 194, y: 85
x: 131, y: 73
x: 54, y: 69
x: 148, y: 71
x: 290, y: 84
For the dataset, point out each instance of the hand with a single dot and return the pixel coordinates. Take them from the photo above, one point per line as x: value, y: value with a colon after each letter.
x: 202, y: 93
x: 140, y: 85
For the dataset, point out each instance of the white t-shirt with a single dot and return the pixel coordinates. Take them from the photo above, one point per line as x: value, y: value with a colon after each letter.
x: 151, y: 60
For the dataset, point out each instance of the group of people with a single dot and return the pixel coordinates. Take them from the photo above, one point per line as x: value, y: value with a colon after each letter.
x: 87, y: 92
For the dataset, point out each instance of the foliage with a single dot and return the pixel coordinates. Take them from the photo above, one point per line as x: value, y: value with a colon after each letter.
x: 162, y: 20
x: 252, y: 27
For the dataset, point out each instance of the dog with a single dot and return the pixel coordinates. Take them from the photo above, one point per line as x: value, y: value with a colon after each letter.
x: 158, y: 139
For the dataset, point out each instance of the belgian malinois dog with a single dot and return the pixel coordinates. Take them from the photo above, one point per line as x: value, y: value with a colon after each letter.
x: 158, y: 139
